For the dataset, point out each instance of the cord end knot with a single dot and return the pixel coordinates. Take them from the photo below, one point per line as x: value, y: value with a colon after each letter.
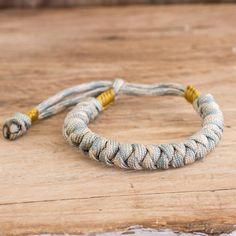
x: 16, y: 126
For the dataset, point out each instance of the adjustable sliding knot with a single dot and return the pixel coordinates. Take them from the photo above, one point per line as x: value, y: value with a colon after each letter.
x: 191, y: 93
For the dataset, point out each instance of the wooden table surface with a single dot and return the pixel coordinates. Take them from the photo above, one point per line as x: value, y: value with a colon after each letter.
x: 46, y: 186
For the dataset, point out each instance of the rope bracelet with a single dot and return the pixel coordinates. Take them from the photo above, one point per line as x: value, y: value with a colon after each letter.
x: 90, y: 99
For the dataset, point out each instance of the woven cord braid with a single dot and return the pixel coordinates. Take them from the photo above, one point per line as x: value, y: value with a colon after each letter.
x: 124, y: 155
x: 137, y: 156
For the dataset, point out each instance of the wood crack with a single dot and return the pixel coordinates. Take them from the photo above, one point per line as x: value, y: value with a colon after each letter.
x: 112, y: 196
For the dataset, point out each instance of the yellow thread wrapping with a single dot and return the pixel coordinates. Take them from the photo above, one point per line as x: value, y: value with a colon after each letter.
x: 33, y: 114
x: 106, y: 97
x: 191, y: 93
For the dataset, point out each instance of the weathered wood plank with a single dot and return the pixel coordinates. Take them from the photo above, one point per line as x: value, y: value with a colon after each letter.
x: 82, y: 3
x: 47, y: 186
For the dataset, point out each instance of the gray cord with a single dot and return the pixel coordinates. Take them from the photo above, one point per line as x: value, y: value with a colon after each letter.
x: 124, y: 155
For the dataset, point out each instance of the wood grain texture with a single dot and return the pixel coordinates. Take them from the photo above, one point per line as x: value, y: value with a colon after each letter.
x: 82, y: 3
x: 48, y: 187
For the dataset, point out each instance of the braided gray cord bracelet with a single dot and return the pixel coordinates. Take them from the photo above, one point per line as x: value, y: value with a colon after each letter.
x: 91, y: 98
